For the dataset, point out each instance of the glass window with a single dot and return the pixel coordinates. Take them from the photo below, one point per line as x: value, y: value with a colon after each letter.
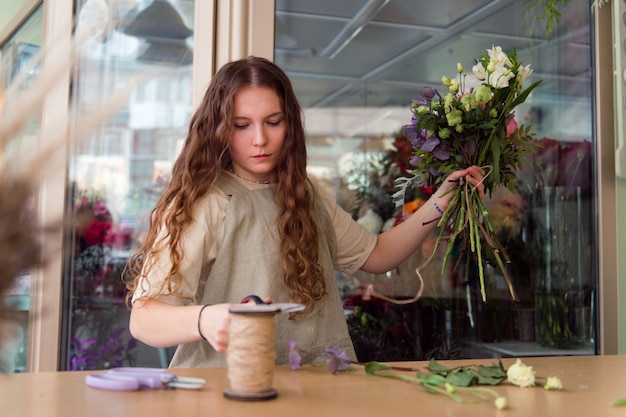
x: 17, y: 71
x: 356, y: 65
x: 118, y: 172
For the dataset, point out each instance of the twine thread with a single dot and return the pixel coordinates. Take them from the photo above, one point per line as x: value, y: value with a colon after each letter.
x: 251, y: 354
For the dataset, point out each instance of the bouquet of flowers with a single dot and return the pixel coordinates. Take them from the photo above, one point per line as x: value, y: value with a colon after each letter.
x: 472, y: 124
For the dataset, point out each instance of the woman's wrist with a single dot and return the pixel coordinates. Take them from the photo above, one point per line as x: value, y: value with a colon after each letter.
x: 439, y: 204
x: 200, y: 320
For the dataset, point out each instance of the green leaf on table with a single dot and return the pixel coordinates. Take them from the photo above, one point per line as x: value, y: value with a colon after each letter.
x: 372, y: 368
x: 431, y: 379
x: 436, y: 367
x: 462, y: 377
x: 619, y: 403
x: 491, y: 375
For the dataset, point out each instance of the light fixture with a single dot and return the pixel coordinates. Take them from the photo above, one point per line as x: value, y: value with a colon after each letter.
x: 163, y: 28
x: 353, y: 27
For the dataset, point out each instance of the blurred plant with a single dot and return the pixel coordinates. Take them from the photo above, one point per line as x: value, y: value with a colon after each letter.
x: 364, y: 174
x: 550, y: 11
x: 380, y: 330
x: 558, y: 164
x: 94, y: 237
x: 98, y: 291
x: 510, y: 213
x: 372, y: 176
x: 113, y: 351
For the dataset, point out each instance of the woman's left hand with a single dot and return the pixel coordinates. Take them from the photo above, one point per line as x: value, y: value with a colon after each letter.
x: 474, y: 175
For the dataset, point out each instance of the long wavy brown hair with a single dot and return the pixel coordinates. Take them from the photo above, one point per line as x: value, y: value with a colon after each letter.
x: 204, y: 156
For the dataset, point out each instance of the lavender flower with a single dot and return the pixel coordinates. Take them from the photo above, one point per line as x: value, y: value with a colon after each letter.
x: 336, y: 358
x: 295, y: 361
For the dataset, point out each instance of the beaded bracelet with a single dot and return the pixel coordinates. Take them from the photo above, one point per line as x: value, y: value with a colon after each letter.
x: 438, y: 208
x: 199, y: 317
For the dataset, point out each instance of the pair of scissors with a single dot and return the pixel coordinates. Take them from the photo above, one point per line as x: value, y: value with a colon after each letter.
x: 261, y: 306
x: 133, y: 379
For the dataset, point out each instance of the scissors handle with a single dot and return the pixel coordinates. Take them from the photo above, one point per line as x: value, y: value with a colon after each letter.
x: 153, y: 378
x: 112, y: 382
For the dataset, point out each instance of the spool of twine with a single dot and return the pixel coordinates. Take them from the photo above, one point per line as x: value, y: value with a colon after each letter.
x: 251, y: 356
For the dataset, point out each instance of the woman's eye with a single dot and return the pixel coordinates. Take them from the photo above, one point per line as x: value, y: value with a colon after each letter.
x: 274, y: 122
x: 240, y: 126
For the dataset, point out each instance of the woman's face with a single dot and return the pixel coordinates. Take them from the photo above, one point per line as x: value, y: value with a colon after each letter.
x: 258, y: 133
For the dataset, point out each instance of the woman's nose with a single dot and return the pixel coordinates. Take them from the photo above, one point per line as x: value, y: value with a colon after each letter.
x: 260, y: 137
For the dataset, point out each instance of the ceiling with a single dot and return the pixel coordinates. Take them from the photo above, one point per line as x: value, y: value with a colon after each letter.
x: 408, y: 44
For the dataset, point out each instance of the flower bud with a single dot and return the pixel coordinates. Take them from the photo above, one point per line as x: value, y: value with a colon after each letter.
x: 501, y: 403
x: 454, y: 86
x: 553, y: 382
x: 444, y: 133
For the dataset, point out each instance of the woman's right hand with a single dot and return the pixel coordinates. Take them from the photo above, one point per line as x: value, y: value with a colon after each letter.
x: 214, y: 324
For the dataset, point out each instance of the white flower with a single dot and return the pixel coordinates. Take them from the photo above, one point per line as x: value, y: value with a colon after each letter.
x: 523, y: 73
x: 500, y: 77
x: 371, y: 221
x: 479, y: 71
x: 501, y: 58
x: 553, y: 382
x: 521, y: 374
x: 471, y: 82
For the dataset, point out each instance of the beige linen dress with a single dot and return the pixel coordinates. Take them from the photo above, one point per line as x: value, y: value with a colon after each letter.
x: 231, y: 251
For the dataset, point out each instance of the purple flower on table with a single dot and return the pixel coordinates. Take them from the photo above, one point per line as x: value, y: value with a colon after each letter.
x: 336, y: 359
x: 295, y: 361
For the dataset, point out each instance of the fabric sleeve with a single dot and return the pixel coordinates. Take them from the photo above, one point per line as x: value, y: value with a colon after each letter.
x: 200, y: 242
x: 354, y: 242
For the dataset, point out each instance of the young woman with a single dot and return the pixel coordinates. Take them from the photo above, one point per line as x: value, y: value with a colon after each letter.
x: 242, y: 217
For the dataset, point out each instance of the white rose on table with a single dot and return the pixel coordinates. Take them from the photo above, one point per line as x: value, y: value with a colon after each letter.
x: 521, y: 374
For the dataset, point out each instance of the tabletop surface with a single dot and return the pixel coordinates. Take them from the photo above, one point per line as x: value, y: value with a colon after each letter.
x: 590, y: 385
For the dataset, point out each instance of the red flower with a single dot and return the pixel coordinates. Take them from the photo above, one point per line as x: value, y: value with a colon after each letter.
x: 97, y: 233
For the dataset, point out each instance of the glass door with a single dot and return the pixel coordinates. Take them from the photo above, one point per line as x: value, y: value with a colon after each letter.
x: 17, y: 72
x: 356, y: 67
x: 116, y: 175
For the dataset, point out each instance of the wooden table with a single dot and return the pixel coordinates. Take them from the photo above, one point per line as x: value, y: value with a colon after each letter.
x: 591, y: 385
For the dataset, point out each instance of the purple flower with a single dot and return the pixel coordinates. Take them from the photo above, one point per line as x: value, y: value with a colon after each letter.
x: 430, y: 144
x: 426, y: 96
x: 415, y: 159
x: 336, y: 359
x: 421, y: 141
x: 429, y: 93
x: 295, y: 361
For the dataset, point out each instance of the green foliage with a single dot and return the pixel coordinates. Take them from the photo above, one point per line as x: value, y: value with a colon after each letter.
x: 463, y: 384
